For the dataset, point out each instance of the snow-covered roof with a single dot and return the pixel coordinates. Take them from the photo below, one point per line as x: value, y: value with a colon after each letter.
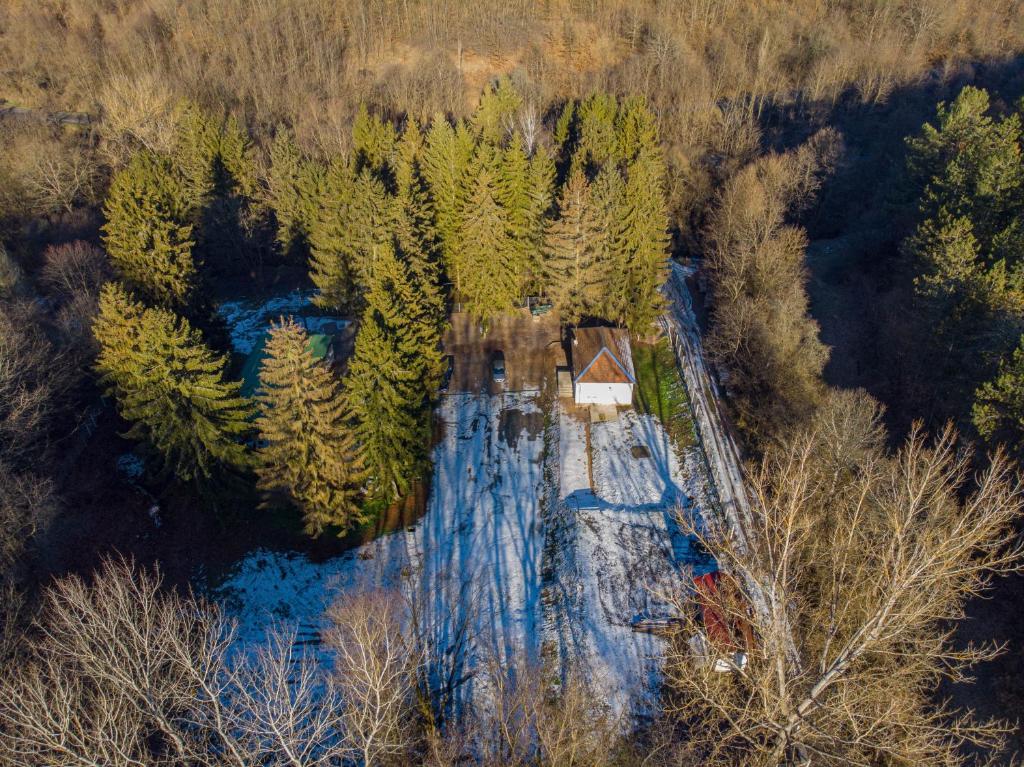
x: 602, y: 355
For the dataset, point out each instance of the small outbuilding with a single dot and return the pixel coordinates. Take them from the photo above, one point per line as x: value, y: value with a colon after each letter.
x: 602, y: 367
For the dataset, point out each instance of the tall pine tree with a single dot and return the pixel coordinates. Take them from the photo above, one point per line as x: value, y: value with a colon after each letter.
x: 639, y: 254
x: 498, y: 106
x: 293, y: 190
x: 373, y: 141
x: 416, y: 235
x: 488, y: 265
x: 635, y: 129
x: 598, y: 140
x: 446, y: 166
x: 393, y: 370
x: 170, y: 387
x: 307, y: 453
x: 213, y: 159
x: 542, y: 186
x: 147, y: 234
x: 353, y: 219
x: 573, y: 276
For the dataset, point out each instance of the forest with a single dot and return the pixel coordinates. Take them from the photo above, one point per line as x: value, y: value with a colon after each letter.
x: 841, y: 183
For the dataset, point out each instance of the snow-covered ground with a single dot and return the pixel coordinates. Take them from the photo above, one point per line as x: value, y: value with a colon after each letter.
x: 248, y: 320
x: 471, y: 565
x: 619, y: 551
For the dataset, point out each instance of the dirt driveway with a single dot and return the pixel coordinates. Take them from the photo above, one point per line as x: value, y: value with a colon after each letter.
x: 532, y: 347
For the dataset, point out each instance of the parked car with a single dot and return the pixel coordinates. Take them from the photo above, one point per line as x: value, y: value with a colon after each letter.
x: 498, y: 366
x: 449, y: 368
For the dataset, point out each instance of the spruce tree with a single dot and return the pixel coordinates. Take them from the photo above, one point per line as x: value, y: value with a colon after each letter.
x: 236, y: 162
x: 170, y: 387
x: 293, y: 188
x: 446, y: 161
x: 416, y: 235
x: 147, y: 234
x: 635, y: 129
x: 392, y: 373
x: 488, y: 263
x: 542, y: 185
x: 574, y: 282
x: 373, y: 141
x: 598, y: 141
x: 352, y: 219
x: 307, y: 454
x: 213, y: 157
x: 196, y: 147
x: 606, y: 198
x: 214, y: 161
x: 563, y: 126
x: 640, y: 251
x: 513, y: 187
x: 998, y: 411
x: 498, y: 106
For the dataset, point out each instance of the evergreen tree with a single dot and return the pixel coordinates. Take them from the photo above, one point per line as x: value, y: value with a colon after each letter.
x: 307, y: 453
x: 293, y: 188
x: 446, y: 162
x: 392, y: 372
x: 352, y: 219
x: 147, y: 234
x: 541, y: 184
x: 949, y: 260
x: 488, y: 264
x: 969, y: 164
x: 563, y: 126
x: 235, y: 161
x: 196, y: 147
x: 606, y: 196
x: 598, y: 142
x: 514, y: 193
x: 170, y: 386
x: 413, y: 222
x: 498, y: 106
x: 640, y: 250
x: 998, y: 411
x: 218, y: 175
x: 635, y: 129
x: 373, y: 142
x: 573, y: 278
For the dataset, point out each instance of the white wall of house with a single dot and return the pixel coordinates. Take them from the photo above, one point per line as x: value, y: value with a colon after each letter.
x: 603, y: 393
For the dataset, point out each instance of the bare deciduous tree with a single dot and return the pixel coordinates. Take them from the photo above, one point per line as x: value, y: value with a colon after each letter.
x: 375, y: 676
x: 762, y: 334
x: 867, y: 558
x: 124, y: 672
x: 528, y: 715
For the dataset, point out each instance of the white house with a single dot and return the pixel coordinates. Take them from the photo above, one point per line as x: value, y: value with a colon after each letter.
x: 602, y: 367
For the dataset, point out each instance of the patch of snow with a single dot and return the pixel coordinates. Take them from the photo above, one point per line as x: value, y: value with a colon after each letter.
x: 471, y: 565
x: 270, y: 589
x: 131, y: 465
x: 481, y: 537
x: 621, y: 551
x: 248, y: 320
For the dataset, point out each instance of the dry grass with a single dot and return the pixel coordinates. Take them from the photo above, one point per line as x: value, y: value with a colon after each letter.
x: 308, y: 62
x: 708, y: 67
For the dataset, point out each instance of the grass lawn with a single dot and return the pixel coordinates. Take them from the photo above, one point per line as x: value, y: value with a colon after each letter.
x: 660, y: 390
